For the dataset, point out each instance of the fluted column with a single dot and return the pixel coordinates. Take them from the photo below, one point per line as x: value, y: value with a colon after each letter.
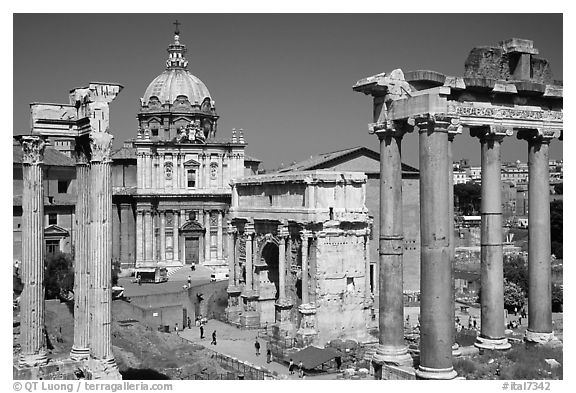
x: 148, y: 235
x: 139, y: 236
x: 81, y: 347
x: 232, y: 280
x: 249, y: 232
x: 391, y: 348
x: 452, y: 132
x: 154, y: 239
x: 539, y: 247
x: 32, y: 341
x: 101, y: 251
x: 367, y: 293
x: 175, y: 235
x: 207, y: 237
x: 150, y: 170
x: 162, y: 235
x: 220, y: 242
x: 435, y: 274
x: 491, y: 251
x: 282, y: 234
x: 305, y: 279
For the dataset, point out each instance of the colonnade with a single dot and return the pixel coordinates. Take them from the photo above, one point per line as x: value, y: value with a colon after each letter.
x: 159, y: 238
x: 93, y: 257
x: 436, y: 130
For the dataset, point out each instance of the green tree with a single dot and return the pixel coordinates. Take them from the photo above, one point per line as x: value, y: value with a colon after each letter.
x: 556, y: 228
x: 516, y: 271
x: 467, y: 198
x: 513, y: 296
x: 58, y: 275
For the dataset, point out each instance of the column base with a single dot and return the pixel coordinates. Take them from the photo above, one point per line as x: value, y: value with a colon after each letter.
x: 250, y: 319
x: 34, y: 360
x: 103, y: 369
x: 538, y: 338
x: 492, y: 343
x: 435, y: 373
x: 79, y: 354
x: 456, y: 350
x: 397, y: 356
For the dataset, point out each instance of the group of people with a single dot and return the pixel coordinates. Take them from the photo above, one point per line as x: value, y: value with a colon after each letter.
x: 292, y: 366
x: 268, y: 351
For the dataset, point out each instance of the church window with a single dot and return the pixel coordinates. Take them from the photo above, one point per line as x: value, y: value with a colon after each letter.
x: 52, y: 219
x: 168, y: 170
x: 154, y: 132
x: 62, y: 186
x: 191, y: 178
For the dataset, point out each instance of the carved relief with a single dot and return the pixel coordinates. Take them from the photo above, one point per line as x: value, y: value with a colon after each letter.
x: 192, y: 133
x: 168, y: 170
x: 213, y: 170
x: 101, y: 144
x: 499, y: 112
x: 33, y: 149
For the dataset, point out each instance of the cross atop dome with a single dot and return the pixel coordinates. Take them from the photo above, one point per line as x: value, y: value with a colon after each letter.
x: 176, y: 51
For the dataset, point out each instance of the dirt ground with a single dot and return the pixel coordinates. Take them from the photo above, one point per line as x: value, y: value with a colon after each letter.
x: 140, y: 352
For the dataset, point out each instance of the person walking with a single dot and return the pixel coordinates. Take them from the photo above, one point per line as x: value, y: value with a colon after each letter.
x: 193, y: 266
x: 268, y: 355
x: 213, y: 338
x: 201, y: 332
x: 189, y: 280
x: 189, y: 321
x: 257, y: 346
x: 300, y: 369
x: 139, y: 280
x: 291, y: 366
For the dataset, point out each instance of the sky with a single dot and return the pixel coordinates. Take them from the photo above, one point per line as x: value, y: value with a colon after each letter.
x: 286, y: 79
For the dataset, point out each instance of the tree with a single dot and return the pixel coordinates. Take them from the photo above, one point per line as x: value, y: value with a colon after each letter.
x: 467, y: 197
x: 556, y: 228
x: 516, y: 271
x: 557, y: 298
x: 558, y: 188
x: 59, y: 275
x: 513, y: 296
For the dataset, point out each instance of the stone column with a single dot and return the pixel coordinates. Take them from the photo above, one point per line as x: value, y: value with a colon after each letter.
x: 101, y: 255
x: 435, y: 287
x: 150, y: 170
x: 81, y: 347
x: 391, y: 348
x: 452, y: 132
x: 367, y: 294
x: 282, y: 234
x: 220, y: 239
x: 147, y: 235
x: 491, y: 252
x: 162, y: 235
x: 154, y: 238
x: 249, y: 232
x: 232, y: 280
x: 305, y: 279
x: 139, y: 236
x: 539, y: 247
x: 207, y: 237
x: 175, y: 235
x: 32, y: 341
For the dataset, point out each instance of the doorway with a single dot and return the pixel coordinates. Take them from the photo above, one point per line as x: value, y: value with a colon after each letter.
x: 192, y: 250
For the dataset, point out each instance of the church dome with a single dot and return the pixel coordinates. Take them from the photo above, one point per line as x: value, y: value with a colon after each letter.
x: 176, y: 84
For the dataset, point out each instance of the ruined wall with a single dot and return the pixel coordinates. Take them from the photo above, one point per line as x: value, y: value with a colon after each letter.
x: 339, y: 280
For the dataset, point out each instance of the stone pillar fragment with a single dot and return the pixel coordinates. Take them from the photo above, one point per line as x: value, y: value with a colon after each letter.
x: 207, y: 237
x: 305, y: 274
x: 82, y: 274
x: 220, y: 240
x: 435, y: 275
x: 175, y: 235
x: 32, y: 340
x: 162, y: 236
x: 104, y: 365
x: 250, y: 317
x: 391, y: 348
x: 491, y: 251
x: 539, y: 247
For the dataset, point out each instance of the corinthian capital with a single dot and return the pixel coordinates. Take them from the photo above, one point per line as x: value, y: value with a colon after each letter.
x: 491, y: 132
x: 393, y: 128
x: 539, y: 135
x: 101, y: 146
x: 33, y: 149
x: 436, y: 122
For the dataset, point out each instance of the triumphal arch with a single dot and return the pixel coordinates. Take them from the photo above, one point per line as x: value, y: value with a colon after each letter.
x: 506, y: 89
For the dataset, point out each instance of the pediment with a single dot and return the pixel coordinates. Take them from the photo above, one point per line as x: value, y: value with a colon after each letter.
x: 190, y: 226
x: 191, y: 162
x: 56, y: 231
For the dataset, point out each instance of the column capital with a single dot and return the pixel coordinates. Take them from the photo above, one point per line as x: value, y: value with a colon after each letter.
x: 436, y: 122
x: 101, y: 146
x: 491, y: 132
x: 33, y: 148
x: 249, y: 228
x: 455, y: 128
x: 538, y: 135
x: 392, y: 128
x: 305, y: 234
x: 283, y: 232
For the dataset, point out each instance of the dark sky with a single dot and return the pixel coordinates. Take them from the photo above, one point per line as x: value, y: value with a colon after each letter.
x: 286, y: 79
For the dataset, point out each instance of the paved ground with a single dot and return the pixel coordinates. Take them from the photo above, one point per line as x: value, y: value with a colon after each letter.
x: 239, y: 343
x: 174, y: 284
